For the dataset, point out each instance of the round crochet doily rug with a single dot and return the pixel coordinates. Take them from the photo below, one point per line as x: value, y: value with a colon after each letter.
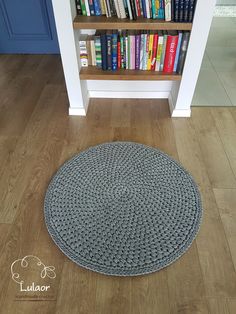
x: 122, y: 209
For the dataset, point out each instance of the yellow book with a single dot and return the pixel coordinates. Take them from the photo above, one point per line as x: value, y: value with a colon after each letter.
x: 149, y: 63
x: 103, y: 7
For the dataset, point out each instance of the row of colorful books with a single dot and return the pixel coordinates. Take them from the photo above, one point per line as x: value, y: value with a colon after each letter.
x: 162, y: 51
x: 168, y: 10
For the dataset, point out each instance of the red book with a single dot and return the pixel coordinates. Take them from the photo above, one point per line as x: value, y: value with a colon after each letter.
x: 118, y: 54
x: 138, y: 9
x: 171, y: 47
x: 154, y: 52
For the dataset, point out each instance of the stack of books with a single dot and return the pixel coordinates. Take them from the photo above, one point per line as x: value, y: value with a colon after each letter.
x: 168, y: 10
x: 162, y: 51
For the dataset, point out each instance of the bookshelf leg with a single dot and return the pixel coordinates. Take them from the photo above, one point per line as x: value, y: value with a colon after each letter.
x: 181, y: 94
x: 68, y: 42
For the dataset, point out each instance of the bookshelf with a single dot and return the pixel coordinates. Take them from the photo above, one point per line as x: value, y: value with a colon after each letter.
x: 94, y: 73
x: 84, y: 83
x: 102, y: 22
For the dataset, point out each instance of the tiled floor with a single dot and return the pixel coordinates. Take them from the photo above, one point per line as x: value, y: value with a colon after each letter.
x: 216, y: 84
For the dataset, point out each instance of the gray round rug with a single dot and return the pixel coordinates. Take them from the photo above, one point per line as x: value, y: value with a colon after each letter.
x: 123, y: 209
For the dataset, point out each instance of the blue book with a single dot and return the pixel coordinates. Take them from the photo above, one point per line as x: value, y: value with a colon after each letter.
x: 91, y: 7
x: 104, y: 51
x: 109, y: 51
x: 97, y: 7
x: 178, y: 51
x: 161, y: 11
x: 114, y: 52
x: 144, y: 8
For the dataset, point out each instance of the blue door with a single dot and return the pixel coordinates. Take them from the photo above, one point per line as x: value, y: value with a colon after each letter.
x: 27, y: 26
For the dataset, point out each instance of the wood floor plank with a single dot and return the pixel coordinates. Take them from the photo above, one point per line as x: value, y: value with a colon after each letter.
x: 215, y: 159
x: 231, y: 305
x: 212, y: 245
x: 226, y: 202
x: 15, y: 176
x: 28, y: 234
x: 226, y: 127
x: 218, y: 306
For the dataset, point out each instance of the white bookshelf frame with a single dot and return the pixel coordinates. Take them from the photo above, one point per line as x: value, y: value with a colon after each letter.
x: 179, y: 93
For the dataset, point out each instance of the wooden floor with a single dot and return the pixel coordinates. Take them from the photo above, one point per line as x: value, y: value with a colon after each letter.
x: 37, y: 136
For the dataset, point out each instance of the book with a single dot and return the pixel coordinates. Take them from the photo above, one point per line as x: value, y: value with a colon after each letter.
x: 148, y: 9
x: 146, y: 50
x: 191, y: 10
x: 92, y: 47
x: 78, y: 7
x: 171, y: 47
x: 161, y: 11
x: 154, y: 51
x: 119, y: 52
x: 107, y: 8
x: 114, y: 57
x: 163, y: 51
x: 132, y: 4
x: 91, y: 7
x: 144, y: 11
x: 117, y: 8
x: 109, y: 50
x: 131, y: 51
x: 159, y: 51
x: 138, y: 9
x: 141, y: 51
x: 88, y: 46
x: 177, y: 51
x: 186, y: 10
x: 181, y: 10
x: 121, y: 9
x: 98, y: 49
x: 176, y: 10
x: 150, y: 48
x: 83, y: 8
x: 167, y: 10
x: 97, y: 7
x: 104, y: 51
x: 154, y: 8
x: 126, y: 47
x: 122, y: 52
x: 183, y: 52
x: 129, y: 10
x: 83, y: 50
x: 103, y: 7
x: 137, y: 51
x: 87, y: 7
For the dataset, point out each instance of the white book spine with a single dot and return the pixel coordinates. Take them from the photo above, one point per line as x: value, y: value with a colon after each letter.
x: 127, y: 52
x: 122, y: 9
x: 87, y: 7
x: 117, y: 9
x: 168, y: 10
x: 92, y: 47
x: 147, y: 9
x: 83, y: 53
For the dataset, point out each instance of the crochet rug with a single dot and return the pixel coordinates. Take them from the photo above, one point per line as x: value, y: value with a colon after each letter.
x: 122, y: 209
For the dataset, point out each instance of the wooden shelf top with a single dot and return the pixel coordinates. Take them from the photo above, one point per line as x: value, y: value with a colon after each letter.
x: 103, y: 22
x: 94, y: 73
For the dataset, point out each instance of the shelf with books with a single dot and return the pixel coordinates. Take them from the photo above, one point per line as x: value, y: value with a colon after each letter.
x: 102, y: 22
x: 94, y: 73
